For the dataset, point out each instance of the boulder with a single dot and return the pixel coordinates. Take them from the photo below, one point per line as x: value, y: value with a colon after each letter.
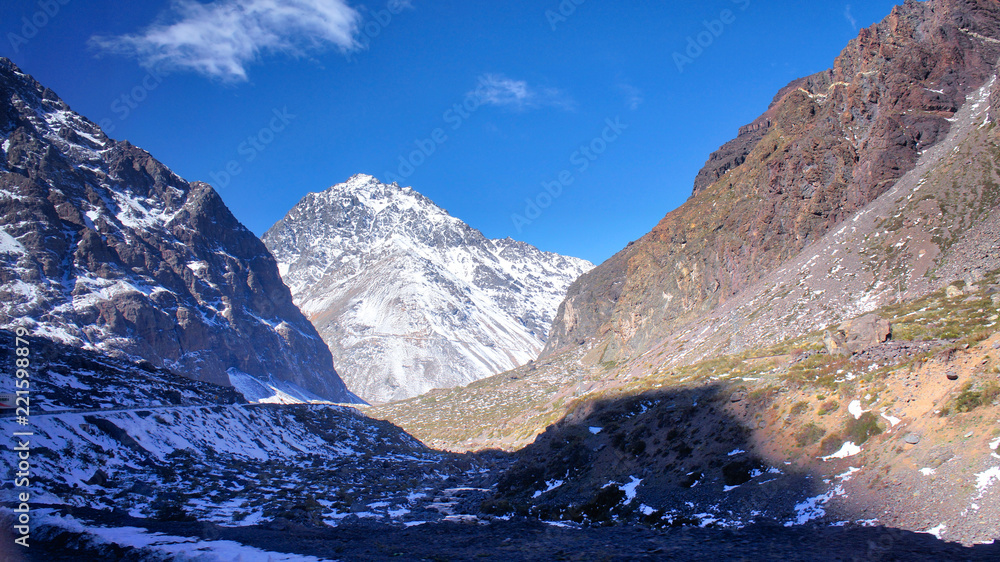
x: 100, y: 478
x: 938, y: 456
x: 142, y: 489
x: 865, y: 332
x: 952, y: 291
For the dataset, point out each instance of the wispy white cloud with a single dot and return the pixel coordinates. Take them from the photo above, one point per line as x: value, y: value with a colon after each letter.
x: 633, y: 96
x: 850, y: 18
x: 501, y: 91
x: 219, y: 39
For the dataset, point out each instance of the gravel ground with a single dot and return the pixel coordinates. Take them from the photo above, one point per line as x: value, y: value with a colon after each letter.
x: 522, y: 539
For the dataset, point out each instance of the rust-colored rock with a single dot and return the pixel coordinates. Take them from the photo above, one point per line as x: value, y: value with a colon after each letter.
x: 834, y: 142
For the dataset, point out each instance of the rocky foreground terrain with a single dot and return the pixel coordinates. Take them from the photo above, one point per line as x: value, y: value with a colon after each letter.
x: 206, y: 477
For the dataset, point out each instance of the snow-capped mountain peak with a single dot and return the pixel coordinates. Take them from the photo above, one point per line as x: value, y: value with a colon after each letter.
x: 410, y: 298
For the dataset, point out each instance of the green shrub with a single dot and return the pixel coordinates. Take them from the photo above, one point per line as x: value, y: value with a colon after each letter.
x: 969, y: 399
x: 809, y: 435
x: 827, y: 407
x: 800, y: 408
x: 599, y: 508
x: 831, y: 445
x: 861, y: 429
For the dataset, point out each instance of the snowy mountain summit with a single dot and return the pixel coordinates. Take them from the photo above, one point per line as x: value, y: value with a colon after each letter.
x: 410, y: 298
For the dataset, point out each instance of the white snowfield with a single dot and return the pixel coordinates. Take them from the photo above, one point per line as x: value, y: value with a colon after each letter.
x: 410, y: 298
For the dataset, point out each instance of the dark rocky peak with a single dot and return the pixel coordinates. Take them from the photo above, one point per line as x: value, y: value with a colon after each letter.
x: 107, y: 249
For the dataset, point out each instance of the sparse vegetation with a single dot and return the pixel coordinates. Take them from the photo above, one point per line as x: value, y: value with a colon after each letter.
x: 863, y: 428
x: 809, y: 435
x: 509, y: 412
x: 830, y: 445
x: 971, y: 398
x: 938, y: 317
x: 828, y: 407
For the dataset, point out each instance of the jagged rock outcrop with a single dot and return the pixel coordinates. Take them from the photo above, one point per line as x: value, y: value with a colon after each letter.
x: 103, y: 247
x: 410, y: 298
x: 731, y: 154
x: 837, y: 140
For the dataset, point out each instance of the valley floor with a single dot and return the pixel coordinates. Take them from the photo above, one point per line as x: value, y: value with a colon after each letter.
x: 514, y: 539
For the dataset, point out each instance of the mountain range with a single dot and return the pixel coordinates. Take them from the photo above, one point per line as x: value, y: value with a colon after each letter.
x: 705, y: 367
x: 829, y: 145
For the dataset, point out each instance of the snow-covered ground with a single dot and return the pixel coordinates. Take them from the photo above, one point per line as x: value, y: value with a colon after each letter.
x: 233, y: 464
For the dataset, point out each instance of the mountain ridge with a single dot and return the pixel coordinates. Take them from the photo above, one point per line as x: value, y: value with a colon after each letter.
x: 834, y: 141
x: 106, y: 248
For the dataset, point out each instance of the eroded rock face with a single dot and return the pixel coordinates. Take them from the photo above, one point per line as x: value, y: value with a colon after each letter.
x: 103, y: 247
x: 833, y: 142
x: 731, y: 154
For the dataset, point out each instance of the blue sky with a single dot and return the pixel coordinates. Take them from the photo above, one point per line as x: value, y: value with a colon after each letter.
x: 580, y: 107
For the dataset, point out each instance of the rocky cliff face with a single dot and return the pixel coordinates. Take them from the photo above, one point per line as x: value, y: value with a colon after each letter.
x: 410, y: 298
x: 103, y: 247
x: 833, y: 143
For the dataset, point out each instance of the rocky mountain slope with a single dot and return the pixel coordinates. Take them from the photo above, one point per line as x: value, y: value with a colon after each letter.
x: 937, y: 225
x: 104, y: 248
x: 828, y: 145
x: 113, y: 443
x: 81, y: 379
x: 901, y: 433
x: 410, y: 298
